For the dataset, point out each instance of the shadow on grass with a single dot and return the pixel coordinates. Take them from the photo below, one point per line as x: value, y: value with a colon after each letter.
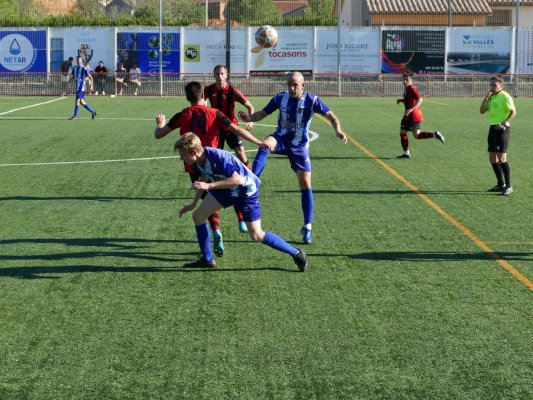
x: 88, y: 198
x: 116, y: 248
x: 43, y: 272
x: 394, y: 192
x: 440, y: 256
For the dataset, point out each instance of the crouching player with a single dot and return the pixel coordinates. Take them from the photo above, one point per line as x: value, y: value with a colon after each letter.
x: 227, y: 182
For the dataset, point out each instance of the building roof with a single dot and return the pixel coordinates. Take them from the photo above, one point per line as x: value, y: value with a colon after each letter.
x: 509, y: 3
x: 429, y: 6
x: 287, y: 7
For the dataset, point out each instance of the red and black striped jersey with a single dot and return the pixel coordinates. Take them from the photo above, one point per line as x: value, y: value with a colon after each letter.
x: 224, y: 99
x: 203, y: 121
x: 410, y: 98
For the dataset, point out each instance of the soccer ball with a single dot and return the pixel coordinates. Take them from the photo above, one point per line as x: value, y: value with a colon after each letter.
x: 266, y: 36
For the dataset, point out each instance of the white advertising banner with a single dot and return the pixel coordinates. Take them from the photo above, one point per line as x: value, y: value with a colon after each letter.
x: 292, y: 52
x: 359, y: 51
x: 524, y: 64
x: 92, y: 44
x: 204, y: 49
x: 479, y: 50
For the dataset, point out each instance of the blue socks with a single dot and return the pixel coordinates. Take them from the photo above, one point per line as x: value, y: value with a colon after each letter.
x: 76, y: 109
x: 274, y: 241
x: 260, y: 161
x: 308, y: 205
x: 204, y: 241
x: 89, y: 108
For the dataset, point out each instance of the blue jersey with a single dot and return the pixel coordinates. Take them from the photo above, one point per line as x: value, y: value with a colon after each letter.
x: 295, y: 116
x: 80, y: 75
x: 220, y: 165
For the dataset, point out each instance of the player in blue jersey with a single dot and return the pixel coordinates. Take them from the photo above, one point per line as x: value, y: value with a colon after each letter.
x: 83, y: 80
x: 227, y: 182
x: 291, y: 138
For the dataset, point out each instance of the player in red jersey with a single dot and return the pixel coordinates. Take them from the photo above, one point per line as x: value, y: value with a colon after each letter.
x: 412, y: 118
x: 206, y: 123
x: 223, y: 96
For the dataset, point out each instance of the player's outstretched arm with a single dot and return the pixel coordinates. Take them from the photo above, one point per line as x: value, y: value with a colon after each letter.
x: 190, y: 207
x: 236, y: 129
x: 255, y: 117
x: 335, y: 123
x: 162, y: 129
x: 250, y: 107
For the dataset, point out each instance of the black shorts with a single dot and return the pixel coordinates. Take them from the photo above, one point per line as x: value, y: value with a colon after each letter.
x: 498, y: 139
x: 230, y: 138
x: 408, y: 125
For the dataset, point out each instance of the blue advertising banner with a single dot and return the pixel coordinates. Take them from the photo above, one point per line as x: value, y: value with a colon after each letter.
x: 23, y: 51
x: 142, y: 48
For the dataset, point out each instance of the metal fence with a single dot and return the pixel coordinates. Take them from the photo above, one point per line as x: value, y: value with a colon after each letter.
x: 344, y: 85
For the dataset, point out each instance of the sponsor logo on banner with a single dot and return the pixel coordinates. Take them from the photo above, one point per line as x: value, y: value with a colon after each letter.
x: 18, y: 53
x: 478, y: 40
x: 192, y: 53
x: 394, y: 42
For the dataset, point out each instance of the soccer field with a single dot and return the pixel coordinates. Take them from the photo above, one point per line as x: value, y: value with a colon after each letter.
x: 419, y: 285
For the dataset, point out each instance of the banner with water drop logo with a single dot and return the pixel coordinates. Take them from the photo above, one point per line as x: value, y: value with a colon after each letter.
x: 23, y: 51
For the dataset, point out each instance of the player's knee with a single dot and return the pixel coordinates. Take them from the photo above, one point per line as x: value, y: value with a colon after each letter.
x: 257, y: 236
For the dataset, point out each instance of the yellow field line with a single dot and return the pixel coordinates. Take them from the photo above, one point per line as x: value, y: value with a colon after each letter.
x: 482, y: 245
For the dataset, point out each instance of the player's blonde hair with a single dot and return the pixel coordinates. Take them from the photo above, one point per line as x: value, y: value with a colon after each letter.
x: 188, y: 142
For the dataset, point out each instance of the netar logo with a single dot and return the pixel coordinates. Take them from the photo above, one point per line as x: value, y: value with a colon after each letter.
x: 192, y: 53
x: 17, y: 53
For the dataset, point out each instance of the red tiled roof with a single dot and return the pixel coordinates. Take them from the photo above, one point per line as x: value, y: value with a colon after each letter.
x: 429, y: 6
x: 290, y: 6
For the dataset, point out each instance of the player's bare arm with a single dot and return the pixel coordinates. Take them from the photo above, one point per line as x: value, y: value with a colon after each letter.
x: 236, y: 129
x: 190, y: 207
x: 228, y: 183
x: 335, y: 123
x: 255, y: 117
x: 250, y: 107
x: 162, y: 129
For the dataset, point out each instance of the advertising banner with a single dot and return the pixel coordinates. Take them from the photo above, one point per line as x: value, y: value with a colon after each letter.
x: 293, y: 51
x: 203, y: 49
x: 23, y: 51
x: 419, y: 51
x: 478, y: 50
x: 92, y: 44
x: 359, y: 51
x: 525, y: 54
x: 142, y: 48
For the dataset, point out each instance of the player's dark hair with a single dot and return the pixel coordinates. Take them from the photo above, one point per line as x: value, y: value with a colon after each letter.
x: 193, y: 91
x: 407, y: 74
x: 219, y: 66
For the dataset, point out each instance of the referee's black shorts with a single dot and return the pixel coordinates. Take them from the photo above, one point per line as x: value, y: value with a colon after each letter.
x: 498, y: 139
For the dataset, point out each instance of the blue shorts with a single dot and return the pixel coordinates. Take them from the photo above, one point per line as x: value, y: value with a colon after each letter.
x: 80, y: 95
x: 248, y: 206
x: 298, y: 155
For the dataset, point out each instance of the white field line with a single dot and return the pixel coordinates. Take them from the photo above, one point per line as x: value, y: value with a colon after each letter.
x: 33, y: 105
x: 312, y: 137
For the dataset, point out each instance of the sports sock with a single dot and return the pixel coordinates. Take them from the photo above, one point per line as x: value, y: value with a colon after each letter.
x: 425, y: 135
x: 238, y: 213
x: 274, y: 241
x: 404, y: 139
x: 498, y: 171
x: 506, y: 169
x: 89, y: 108
x: 260, y: 161
x: 308, y: 205
x: 76, y: 110
x: 204, y: 241
x: 214, y: 221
